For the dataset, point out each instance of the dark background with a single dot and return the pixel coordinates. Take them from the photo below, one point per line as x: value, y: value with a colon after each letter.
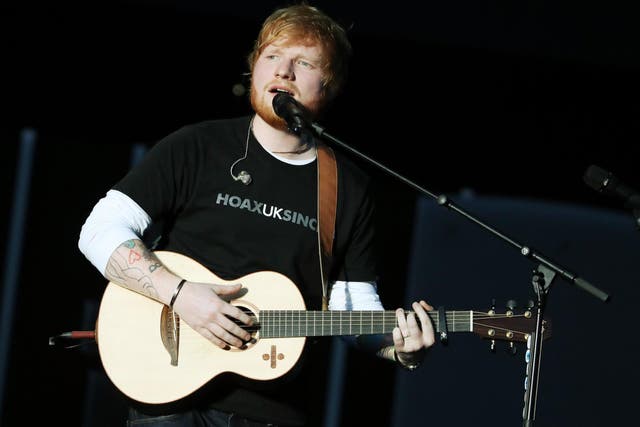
x: 503, y: 98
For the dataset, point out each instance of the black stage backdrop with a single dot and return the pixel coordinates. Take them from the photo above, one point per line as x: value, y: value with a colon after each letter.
x: 498, y: 100
x: 588, y: 362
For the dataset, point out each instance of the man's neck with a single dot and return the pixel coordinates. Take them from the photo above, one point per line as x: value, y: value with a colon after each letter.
x: 281, y: 142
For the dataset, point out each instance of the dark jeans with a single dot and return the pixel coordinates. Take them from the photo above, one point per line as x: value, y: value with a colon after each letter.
x: 193, y: 418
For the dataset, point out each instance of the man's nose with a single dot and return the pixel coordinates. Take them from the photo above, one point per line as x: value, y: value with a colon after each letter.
x: 285, y: 70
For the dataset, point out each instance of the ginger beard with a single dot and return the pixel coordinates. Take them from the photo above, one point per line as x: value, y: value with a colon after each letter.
x: 264, y: 109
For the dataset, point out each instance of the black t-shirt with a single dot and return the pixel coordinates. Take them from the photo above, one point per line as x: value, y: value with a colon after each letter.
x: 184, y: 183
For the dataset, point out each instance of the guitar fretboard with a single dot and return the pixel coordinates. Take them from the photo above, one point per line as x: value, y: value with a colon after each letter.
x: 303, y: 323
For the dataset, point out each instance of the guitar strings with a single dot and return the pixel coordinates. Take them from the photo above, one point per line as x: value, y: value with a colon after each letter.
x: 291, y: 321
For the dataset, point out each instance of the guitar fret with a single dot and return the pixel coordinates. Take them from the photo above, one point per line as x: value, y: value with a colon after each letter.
x: 264, y: 324
x: 264, y: 318
x: 383, y: 319
x: 453, y: 327
x: 371, y: 313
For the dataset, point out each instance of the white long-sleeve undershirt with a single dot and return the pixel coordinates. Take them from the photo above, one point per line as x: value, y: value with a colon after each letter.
x: 117, y: 218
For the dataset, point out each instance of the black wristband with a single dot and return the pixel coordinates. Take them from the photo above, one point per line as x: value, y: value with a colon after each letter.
x: 176, y: 292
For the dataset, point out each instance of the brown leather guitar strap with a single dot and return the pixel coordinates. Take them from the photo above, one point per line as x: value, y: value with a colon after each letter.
x: 327, y: 206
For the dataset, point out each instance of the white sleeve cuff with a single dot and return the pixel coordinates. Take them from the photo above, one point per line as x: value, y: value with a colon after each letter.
x: 115, y: 219
x: 354, y: 296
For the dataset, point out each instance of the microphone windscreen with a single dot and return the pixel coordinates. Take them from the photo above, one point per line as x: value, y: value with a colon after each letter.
x: 279, y: 102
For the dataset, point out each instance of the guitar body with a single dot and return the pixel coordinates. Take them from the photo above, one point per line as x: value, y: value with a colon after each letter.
x: 132, y: 330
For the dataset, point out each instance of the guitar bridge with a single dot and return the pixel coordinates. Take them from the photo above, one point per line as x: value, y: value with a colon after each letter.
x: 170, y: 333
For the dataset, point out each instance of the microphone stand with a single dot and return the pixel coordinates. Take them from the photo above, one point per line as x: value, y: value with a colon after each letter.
x: 542, y: 277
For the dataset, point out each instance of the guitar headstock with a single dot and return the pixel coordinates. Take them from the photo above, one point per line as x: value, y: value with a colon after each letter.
x: 512, y: 326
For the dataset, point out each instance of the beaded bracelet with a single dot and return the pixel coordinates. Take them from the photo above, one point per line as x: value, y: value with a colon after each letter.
x: 176, y: 292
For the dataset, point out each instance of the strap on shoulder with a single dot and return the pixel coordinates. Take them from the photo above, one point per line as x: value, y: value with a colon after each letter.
x: 327, y: 206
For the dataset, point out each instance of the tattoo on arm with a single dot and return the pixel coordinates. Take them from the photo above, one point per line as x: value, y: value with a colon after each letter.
x: 126, y: 269
x: 153, y: 259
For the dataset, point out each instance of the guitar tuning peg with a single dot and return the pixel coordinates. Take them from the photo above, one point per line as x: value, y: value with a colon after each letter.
x: 512, y: 349
x: 511, y: 305
x: 492, y: 347
x: 531, y: 304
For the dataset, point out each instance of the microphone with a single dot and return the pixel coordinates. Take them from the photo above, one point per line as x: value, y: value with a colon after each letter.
x: 604, y: 182
x: 294, y: 113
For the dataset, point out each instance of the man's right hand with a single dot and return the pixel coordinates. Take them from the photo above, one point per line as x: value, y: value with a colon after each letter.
x: 200, y: 305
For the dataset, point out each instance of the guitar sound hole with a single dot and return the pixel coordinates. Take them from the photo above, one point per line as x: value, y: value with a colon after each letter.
x: 253, y: 329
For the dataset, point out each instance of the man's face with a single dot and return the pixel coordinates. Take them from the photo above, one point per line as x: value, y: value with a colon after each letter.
x: 289, y: 67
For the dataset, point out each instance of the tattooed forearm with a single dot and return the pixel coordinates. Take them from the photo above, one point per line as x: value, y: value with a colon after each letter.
x: 130, y: 266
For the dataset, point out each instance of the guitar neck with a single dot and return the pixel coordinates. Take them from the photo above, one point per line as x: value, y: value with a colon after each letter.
x: 303, y: 323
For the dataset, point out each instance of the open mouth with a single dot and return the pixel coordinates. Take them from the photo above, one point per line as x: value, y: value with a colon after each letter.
x: 280, y: 90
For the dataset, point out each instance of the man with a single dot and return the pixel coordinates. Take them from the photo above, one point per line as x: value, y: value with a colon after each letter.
x: 238, y: 222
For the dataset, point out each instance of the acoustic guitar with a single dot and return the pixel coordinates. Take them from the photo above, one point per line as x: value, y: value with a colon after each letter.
x: 152, y: 357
